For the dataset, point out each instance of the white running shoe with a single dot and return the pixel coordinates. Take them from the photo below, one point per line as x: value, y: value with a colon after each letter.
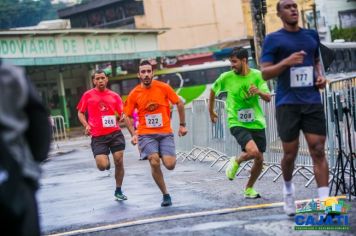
x: 289, y: 202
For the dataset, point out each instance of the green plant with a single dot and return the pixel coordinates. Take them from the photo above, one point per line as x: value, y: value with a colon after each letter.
x: 348, y: 34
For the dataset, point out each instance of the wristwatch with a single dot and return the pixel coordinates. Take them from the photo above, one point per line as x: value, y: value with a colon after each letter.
x: 183, y: 124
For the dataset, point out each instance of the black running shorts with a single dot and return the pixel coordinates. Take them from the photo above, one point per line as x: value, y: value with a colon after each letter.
x: 111, y: 142
x: 243, y: 136
x: 294, y: 117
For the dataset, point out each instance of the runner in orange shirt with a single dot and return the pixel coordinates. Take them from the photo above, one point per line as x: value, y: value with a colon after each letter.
x: 104, y: 108
x: 155, y: 138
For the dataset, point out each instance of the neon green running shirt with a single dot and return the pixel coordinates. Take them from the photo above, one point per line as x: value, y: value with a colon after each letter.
x: 242, y: 109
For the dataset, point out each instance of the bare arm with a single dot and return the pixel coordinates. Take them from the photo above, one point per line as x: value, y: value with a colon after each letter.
x: 128, y: 123
x: 129, y: 126
x: 84, y: 122
x: 181, y: 112
x: 212, y: 113
x: 270, y: 70
x: 320, y: 79
x: 265, y: 96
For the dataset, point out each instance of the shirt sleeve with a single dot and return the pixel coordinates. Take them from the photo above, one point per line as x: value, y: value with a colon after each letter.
x: 119, y: 105
x: 217, y: 85
x: 172, y: 96
x: 83, y: 103
x: 129, y: 105
x: 268, y: 50
x: 316, y: 56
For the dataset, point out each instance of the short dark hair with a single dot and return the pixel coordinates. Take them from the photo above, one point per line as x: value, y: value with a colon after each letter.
x: 99, y: 71
x: 145, y: 62
x: 239, y: 52
x: 278, y: 6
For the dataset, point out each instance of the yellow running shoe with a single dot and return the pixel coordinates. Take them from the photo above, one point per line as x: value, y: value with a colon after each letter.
x: 251, y: 193
x: 232, y: 169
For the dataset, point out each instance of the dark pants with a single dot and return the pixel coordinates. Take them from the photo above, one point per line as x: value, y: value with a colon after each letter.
x: 27, y: 223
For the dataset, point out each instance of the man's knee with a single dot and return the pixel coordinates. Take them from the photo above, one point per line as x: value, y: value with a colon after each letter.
x: 118, y: 158
x: 253, y: 152
x: 317, y: 151
x: 169, y: 162
x: 170, y: 165
x: 154, y: 160
x: 102, y: 162
x: 101, y: 166
x: 290, y: 154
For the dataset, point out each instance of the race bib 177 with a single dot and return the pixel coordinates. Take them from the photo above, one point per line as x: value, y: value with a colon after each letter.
x: 301, y: 76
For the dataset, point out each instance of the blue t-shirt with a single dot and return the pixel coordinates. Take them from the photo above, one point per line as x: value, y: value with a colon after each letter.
x: 280, y: 45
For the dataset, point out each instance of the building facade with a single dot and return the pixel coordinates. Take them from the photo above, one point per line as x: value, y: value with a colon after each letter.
x: 331, y: 13
x: 189, y: 24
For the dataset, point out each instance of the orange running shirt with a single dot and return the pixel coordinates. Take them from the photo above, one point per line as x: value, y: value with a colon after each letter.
x: 153, y: 107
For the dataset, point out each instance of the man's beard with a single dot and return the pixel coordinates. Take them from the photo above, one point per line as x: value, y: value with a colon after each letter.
x: 237, y: 70
x: 146, y: 81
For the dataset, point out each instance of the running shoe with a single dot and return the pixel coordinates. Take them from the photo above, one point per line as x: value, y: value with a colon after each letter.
x: 251, y: 193
x: 167, y: 201
x: 232, y: 169
x: 120, y: 196
x: 289, y: 202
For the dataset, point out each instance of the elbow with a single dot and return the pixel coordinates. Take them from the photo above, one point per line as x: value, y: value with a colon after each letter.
x: 180, y: 104
x: 265, y: 75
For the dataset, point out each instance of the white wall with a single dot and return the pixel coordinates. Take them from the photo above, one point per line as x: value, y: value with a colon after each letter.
x: 329, y: 9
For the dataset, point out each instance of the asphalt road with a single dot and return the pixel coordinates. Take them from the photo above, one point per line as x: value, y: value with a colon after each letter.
x: 77, y: 199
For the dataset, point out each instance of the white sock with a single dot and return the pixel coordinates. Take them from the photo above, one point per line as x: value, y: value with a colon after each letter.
x: 288, y: 187
x: 323, y: 193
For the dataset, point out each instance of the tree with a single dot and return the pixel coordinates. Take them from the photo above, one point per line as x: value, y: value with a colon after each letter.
x: 15, y: 13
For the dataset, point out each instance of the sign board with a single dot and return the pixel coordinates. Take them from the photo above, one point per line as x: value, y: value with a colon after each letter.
x: 64, y: 47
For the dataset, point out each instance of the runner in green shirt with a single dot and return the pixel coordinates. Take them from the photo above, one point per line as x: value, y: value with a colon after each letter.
x: 244, y: 87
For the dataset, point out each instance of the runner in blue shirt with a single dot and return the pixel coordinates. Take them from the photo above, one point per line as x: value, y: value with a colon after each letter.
x: 291, y: 54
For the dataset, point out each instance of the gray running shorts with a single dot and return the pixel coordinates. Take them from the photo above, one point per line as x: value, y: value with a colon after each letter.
x: 163, y: 144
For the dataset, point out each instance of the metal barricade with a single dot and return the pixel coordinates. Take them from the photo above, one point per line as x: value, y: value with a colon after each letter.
x: 274, y: 150
x: 58, y: 128
x: 199, y: 129
x: 214, y: 140
x: 183, y: 144
x: 341, y: 96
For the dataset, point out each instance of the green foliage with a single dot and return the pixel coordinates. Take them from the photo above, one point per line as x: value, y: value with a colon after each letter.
x: 16, y: 13
x: 349, y: 34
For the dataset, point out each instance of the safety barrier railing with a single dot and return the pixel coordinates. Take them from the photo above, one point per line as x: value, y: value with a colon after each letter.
x: 213, y: 142
x: 341, y: 96
x: 184, y: 145
x: 58, y: 128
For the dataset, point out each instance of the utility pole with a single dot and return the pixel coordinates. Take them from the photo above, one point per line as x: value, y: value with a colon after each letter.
x: 258, y: 12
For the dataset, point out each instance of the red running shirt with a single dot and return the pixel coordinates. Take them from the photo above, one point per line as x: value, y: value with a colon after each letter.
x: 104, y: 108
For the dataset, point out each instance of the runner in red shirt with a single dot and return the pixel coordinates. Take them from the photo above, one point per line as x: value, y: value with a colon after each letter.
x: 104, y: 109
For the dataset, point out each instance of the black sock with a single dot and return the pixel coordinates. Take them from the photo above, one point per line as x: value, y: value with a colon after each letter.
x: 118, y: 190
